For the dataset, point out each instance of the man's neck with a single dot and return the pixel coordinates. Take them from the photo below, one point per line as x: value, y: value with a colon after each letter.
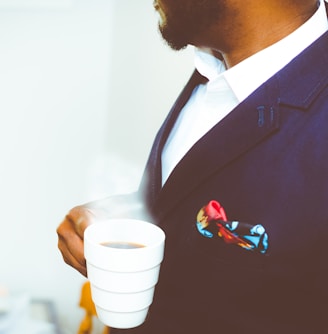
x: 254, y: 28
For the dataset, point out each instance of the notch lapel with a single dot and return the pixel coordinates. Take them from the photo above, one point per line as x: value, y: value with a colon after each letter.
x: 247, y: 125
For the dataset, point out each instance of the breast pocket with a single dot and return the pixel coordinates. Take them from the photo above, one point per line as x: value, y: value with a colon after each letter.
x: 236, y: 263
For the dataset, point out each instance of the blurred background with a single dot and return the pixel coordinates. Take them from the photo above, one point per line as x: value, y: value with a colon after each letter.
x: 84, y: 87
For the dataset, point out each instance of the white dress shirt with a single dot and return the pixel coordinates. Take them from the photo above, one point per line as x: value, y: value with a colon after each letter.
x: 211, y: 102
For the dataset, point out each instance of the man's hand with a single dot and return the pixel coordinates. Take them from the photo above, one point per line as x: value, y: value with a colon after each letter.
x: 70, y: 237
x: 71, y: 230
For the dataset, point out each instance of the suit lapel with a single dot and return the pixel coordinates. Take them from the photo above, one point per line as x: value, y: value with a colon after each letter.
x: 252, y: 121
x: 152, y: 179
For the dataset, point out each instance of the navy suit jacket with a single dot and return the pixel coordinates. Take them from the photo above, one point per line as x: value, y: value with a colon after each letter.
x: 266, y: 163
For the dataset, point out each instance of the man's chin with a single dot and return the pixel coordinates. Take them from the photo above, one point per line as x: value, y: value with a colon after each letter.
x: 172, y: 40
x: 174, y: 46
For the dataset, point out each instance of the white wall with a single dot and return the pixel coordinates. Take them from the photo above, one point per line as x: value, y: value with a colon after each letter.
x: 83, y: 87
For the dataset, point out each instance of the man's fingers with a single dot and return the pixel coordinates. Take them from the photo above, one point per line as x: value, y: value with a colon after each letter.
x: 71, y: 261
x: 71, y: 246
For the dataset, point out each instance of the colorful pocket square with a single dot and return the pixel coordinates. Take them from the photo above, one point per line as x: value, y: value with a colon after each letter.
x: 212, y: 221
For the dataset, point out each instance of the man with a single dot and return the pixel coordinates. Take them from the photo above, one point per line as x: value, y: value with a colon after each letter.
x: 238, y: 173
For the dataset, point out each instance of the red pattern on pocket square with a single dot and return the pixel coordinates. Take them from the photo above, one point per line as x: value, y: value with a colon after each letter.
x: 212, y: 221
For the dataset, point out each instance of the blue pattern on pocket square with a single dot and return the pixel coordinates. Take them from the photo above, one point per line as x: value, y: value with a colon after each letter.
x: 212, y: 221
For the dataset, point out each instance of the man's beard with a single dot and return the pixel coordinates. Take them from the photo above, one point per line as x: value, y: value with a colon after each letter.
x: 186, y: 22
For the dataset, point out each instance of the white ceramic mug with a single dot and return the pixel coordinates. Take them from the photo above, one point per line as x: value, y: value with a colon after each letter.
x: 123, y: 279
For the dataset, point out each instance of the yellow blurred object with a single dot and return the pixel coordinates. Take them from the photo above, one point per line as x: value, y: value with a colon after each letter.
x: 90, y: 311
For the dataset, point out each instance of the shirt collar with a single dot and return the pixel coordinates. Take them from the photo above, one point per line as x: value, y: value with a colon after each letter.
x: 248, y: 75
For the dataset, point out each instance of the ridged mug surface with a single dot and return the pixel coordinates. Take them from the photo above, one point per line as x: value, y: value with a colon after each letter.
x: 123, y: 280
